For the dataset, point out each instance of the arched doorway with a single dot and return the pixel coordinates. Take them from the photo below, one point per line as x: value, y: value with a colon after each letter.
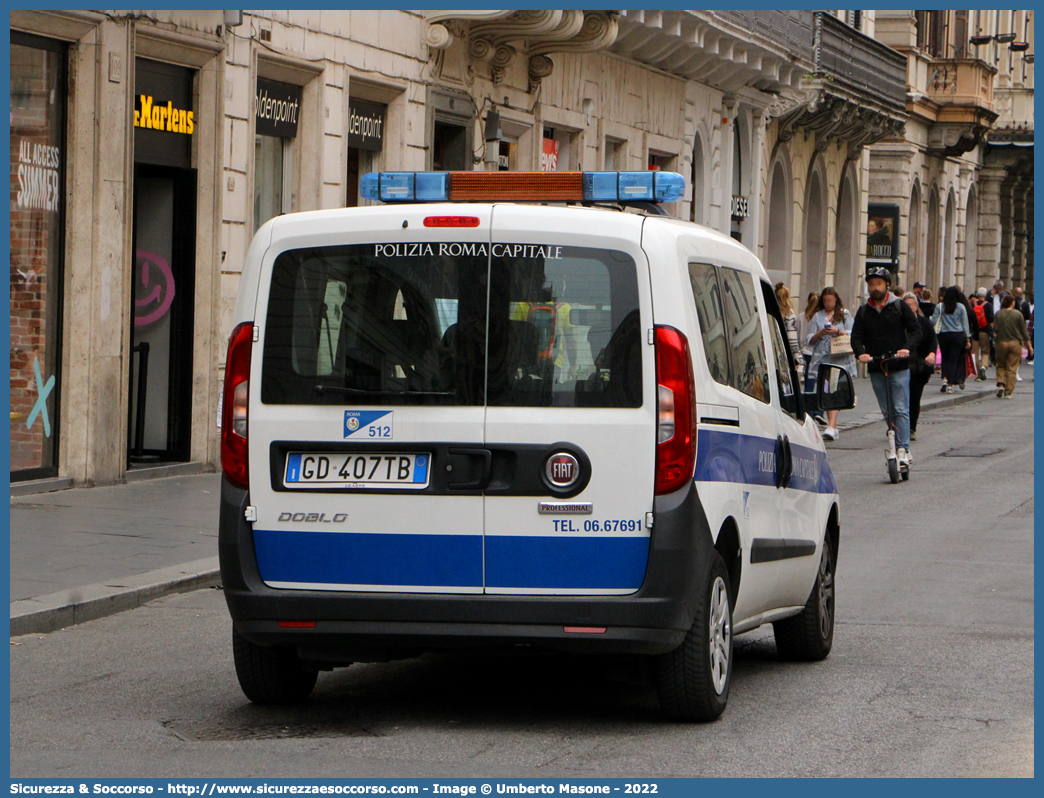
x: 971, y: 241
x: 813, y: 271
x: 699, y: 183
x: 933, y: 261
x: 777, y: 240
x: 949, y: 241
x: 914, y: 260
x: 847, y: 270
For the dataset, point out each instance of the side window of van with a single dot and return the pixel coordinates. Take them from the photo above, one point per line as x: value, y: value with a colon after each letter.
x: 750, y: 365
x: 705, y: 291
x: 786, y: 375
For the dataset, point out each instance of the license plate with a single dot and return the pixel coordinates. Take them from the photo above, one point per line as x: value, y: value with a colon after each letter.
x: 356, y: 470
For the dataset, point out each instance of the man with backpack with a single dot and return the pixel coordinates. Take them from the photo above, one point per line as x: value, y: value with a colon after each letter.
x: 980, y: 345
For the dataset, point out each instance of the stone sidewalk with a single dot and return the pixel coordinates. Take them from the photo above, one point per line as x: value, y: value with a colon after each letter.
x: 83, y: 553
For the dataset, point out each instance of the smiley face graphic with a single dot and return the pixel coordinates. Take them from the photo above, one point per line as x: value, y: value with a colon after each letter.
x: 153, y: 288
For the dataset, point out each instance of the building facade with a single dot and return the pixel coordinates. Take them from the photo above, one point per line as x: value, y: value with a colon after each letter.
x: 151, y: 145
x: 962, y: 175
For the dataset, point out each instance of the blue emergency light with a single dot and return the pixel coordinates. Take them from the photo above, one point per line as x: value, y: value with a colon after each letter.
x: 619, y: 187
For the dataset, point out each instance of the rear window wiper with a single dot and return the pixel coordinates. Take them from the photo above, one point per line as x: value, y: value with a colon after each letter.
x: 324, y: 389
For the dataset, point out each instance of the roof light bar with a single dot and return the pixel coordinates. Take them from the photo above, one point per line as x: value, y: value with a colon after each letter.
x: 525, y: 186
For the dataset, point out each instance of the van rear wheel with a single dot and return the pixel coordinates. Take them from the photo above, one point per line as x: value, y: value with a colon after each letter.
x: 809, y: 636
x: 273, y: 675
x: 693, y: 680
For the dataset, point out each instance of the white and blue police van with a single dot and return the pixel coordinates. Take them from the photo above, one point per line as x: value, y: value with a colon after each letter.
x: 526, y: 409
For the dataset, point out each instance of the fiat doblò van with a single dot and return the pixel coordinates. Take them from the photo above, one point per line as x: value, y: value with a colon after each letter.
x: 525, y: 409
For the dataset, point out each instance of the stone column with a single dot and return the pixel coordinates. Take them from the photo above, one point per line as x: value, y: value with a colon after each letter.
x: 988, y: 267
x: 1018, y: 243
x: 759, y: 120
x: 1007, y: 228
x: 1029, y: 240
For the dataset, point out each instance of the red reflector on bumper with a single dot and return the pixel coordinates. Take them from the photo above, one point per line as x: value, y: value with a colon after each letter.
x: 584, y: 630
x: 297, y: 624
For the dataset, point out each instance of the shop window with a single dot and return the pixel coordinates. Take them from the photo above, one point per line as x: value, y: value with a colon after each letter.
x: 365, y: 140
x: 559, y: 153
x: 275, y: 126
x: 449, y: 148
x: 660, y: 162
x: 272, y: 177
x: 507, y: 155
x: 37, y: 235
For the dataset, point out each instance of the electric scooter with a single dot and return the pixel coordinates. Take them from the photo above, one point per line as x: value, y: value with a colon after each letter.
x: 895, y: 468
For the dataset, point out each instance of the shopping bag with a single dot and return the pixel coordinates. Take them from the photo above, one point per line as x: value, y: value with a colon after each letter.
x: 970, y: 364
x: 841, y: 345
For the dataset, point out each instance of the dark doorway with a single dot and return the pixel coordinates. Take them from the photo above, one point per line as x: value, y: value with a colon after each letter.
x: 162, y: 314
x: 449, y: 148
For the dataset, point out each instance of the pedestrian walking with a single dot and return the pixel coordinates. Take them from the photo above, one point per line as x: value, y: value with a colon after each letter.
x: 886, y: 327
x: 924, y: 299
x: 1012, y: 335
x: 789, y: 318
x: 803, y: 320
x: 969, y: 368
x: 922, y: 364
x: 1023, y: 306
x: 828, y: 324
x: 1029, y: 326
x: 982, y: 315
x: 951, y: 326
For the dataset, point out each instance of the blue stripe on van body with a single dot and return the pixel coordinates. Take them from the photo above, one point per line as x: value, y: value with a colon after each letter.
x: 592, y: 563
x: 359, y: 558
x: 750, y: 460
x: 335, y: 558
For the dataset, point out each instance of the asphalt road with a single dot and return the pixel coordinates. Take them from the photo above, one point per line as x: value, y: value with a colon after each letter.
x: 931, y: 673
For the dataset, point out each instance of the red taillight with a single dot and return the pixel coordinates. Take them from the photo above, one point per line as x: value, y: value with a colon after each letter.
x: 234, y: 406
x: 296, y: 624
x: 676, y: 407
x: 451, y: 221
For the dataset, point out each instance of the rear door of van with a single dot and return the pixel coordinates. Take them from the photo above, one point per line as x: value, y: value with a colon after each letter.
x: 571, y: 408
x: 367, y: 401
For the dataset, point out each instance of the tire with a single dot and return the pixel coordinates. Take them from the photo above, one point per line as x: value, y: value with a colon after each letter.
x: 906, y: 475
x: 693, y: 680
x: 271, y: 675
x: 893, y: 470
x: 809, y: 636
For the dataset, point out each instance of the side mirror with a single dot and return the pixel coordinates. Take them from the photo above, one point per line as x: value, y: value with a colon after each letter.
x: 834, y: 389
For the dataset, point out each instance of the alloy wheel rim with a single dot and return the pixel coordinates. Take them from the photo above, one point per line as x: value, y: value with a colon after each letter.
x: 720, y: 635
x: 826, y: 593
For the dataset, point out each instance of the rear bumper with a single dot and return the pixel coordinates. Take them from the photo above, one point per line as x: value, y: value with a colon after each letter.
x: 377, y: 626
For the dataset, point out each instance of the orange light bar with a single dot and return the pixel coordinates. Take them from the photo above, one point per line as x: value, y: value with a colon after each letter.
x: 523, y: 186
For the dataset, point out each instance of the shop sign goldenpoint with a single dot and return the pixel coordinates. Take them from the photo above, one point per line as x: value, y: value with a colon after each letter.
x: 277, y: 107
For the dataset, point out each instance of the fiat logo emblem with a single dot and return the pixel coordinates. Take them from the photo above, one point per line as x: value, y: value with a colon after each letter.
x: 562, y: 469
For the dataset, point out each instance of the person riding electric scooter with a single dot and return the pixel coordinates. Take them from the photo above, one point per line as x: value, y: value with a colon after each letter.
x: 885, y: 327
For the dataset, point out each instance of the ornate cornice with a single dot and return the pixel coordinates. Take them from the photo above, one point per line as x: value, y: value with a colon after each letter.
x: 496, y: 37
x: 833, y: 118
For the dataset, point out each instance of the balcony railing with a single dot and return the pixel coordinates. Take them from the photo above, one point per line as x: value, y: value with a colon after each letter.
x: 858, y: 63
x: 790, y: 30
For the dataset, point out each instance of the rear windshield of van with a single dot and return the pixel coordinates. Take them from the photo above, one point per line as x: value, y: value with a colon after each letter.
x: 421, y: 324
